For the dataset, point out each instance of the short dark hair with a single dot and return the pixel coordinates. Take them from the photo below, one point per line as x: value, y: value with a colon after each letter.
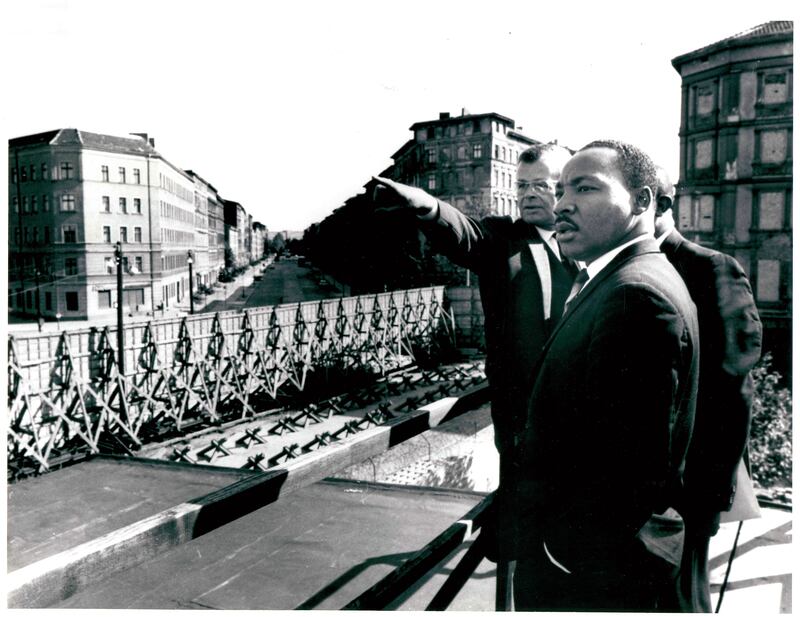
x: 535, y: 152
x: 638, y: 169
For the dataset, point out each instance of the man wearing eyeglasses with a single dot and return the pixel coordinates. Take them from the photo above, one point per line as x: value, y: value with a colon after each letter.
x: 523, y: 284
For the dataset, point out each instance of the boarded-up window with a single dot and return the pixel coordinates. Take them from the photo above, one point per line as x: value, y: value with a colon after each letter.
x: 684, y: 212
x: 104, y: 299
x: 770, y: 209
x: 702, y: 154
x: 775, y: 89
x: 769, y: 271
x: 706, y: 211
x: 705, y: 101
x: 773, y: 146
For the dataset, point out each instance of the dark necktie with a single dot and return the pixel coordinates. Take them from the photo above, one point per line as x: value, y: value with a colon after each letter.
x: 580, y: 281
x: 570, y: 267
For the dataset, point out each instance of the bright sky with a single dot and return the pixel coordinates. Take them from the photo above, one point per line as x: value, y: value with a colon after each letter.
x: 289, y: 107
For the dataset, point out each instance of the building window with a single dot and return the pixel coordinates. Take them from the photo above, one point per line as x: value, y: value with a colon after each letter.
x: 137, y: 205
x: 47, y: 235
x: 17, y: 235
x: 468, y: 128
x: 137, y: 176
x: 27, y: 235
x: 106, y: 203
x: 477, y: 151
x: 48, y: 301
x: 461, y: 153
x: 497, y: 152
x: 703, y: 154
x: 773, y: 88
x: 36, y: 235
x: 123, y: 205
x: 773, y: 146
x: 431, y: 182
x: 15, y: 204
x: 14, y: 176
x: 430, y: 155
x: 33, y: 173
x: 768, y: 280
x: 138, y: 262
x: 70, y: 266
x: 71, y: 300
x: 137, y: 234
x: 23, y: 173
x: 705, y: 100
x: 496, y: 178
x: 67, y: 203
x: 25, y: 207
x: 770, y: 210
x: 104, y: 299
x: 34, y: 204
x: 45, y: 203
x: 122, y: 175
x: 123, y: 234
x: 106, y: 233
x: 104, y: 173
x: 44, y: 171
x: 69, y: 233
x: 696, y: 212
x: 66, y: 171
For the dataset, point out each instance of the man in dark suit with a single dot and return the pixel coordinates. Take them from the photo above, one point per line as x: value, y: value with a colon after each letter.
x: 523, y: 285
x: 613, y: 399
x: 730, y: 345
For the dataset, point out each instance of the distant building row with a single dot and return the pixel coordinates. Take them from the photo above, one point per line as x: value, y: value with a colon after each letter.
x: 73, y: 195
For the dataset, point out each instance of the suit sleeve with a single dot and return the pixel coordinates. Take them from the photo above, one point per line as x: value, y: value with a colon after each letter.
x: 723, y: 421
x: 460, y: 238
x: 640, y: 385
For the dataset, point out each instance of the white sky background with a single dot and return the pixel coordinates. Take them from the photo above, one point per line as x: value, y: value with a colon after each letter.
x: 289, y: 107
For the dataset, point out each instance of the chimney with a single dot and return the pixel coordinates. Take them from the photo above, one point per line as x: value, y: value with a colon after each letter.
x: 144, y: 136
x: 464, y: 111
x: 444, y: 115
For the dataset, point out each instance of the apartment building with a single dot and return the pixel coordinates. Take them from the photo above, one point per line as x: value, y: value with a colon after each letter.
x: 74, y: 195
x: 735, y: 187
x: 469, y: 161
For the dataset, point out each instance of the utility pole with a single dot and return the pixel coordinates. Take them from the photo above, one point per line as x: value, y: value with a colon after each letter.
x: 120, y: 332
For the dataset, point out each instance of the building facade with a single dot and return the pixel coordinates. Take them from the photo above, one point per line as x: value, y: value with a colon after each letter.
x: 73, y: 195
x: 735, y: 188
x: 468, y: 161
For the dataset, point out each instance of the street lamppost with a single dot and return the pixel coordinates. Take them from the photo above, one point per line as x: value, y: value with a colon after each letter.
x: 190, y: 261
x: 120, y: 333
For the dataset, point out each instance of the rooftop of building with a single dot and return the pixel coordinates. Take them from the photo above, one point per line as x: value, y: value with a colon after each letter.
x: 95, y: 141
x: 445, y: 118
x: 766, y: 32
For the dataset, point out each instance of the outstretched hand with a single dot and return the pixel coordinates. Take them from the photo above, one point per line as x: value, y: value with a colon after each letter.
x: 388, y: 196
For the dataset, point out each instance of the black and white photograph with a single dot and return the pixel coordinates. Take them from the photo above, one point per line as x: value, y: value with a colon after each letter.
x: 421, y: 306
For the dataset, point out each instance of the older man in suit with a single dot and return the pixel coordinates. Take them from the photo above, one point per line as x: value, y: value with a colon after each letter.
x: 613, y: 399
x: 523, y: 284
x: 730, y: 345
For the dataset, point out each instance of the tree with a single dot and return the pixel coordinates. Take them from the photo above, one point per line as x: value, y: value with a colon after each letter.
x: 771, y: 428
x: 278, y: 243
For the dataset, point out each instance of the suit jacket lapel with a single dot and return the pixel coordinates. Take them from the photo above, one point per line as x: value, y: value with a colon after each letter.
x: 645, y: 246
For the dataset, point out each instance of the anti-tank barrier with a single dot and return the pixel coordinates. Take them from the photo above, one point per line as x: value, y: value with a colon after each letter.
x: 67, y: 397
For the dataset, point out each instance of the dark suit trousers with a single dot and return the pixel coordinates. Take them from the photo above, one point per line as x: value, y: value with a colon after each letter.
x: 694, y: 594
x: 635, y: 582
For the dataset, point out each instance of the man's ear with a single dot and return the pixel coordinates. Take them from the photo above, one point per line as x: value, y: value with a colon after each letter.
x: 644, y: 198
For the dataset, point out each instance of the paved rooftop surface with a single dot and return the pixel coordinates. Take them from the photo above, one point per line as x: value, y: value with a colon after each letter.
x: 327, y: 542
